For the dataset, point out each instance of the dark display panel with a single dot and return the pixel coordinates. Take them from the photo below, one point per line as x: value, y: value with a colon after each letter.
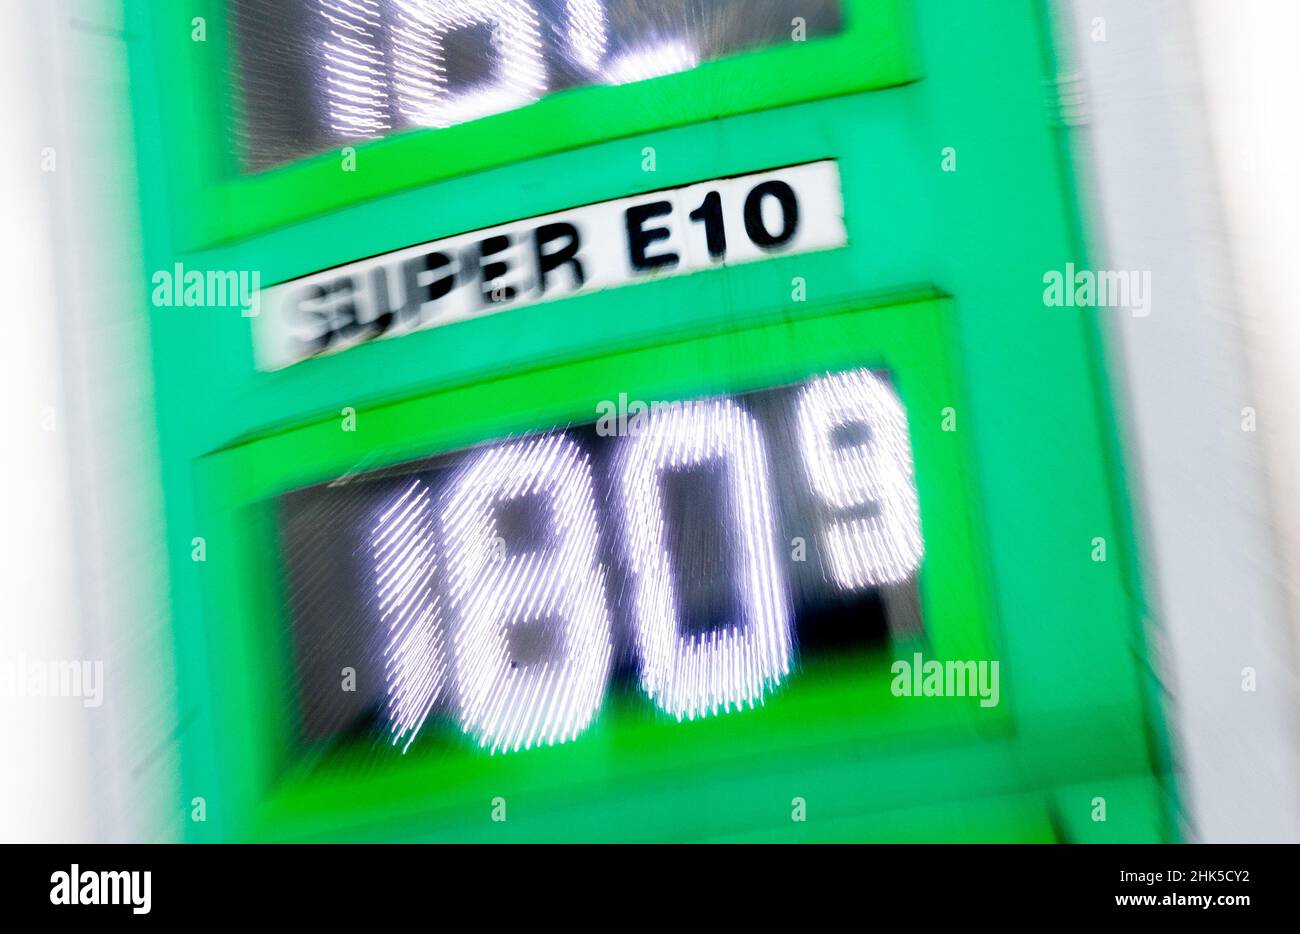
x: 695, y: 551
x: 318, y: 74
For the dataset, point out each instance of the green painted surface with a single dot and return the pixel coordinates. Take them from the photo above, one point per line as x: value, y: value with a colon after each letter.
x: 1010, y: 509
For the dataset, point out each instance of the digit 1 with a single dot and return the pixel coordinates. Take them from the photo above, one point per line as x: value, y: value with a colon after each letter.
x: 417, y: 33
x: 351, y: 63
x: 404, y: 562
x: 884, y: 547
x: 710, y: 214
x: 504, y: 702
x: 693, y: 676
x: 586, y: 26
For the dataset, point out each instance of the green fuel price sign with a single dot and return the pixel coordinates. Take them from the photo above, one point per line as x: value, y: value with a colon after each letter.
x: 646, y: 425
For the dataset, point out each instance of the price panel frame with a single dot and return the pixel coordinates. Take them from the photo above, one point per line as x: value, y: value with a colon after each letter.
x: 215, y: 202
x: 834, y: 709
x: 939, y: 282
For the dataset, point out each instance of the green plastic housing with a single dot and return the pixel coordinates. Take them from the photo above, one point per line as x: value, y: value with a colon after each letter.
x: 959, y: 194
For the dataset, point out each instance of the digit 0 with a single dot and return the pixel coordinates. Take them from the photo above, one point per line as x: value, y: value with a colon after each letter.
x: 756, y: 224
x: 417, y: 37
x: 690, y: 676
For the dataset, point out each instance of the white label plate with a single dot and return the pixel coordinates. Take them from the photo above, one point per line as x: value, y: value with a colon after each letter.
x: 741, y: 219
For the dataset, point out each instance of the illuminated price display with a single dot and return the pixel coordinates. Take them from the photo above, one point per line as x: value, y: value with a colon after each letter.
x: 319, y: 73
x: 682, y: 545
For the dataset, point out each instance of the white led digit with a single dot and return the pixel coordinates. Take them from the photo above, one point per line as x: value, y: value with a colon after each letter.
x: 652, y: 61
x: 419, y: 32
x: 876, y: 473
x: 505, y: 704
x: 691, y: 675
x: 415, y: 666
x: 353, y: 76
x: 585, y: 22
